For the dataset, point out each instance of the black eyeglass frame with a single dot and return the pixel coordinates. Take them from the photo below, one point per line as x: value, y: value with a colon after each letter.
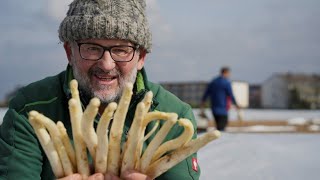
x: 109, y: 50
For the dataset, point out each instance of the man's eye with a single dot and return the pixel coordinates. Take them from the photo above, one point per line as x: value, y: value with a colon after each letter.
x: 93, y: 49
x: 122, y: 50
x: 119, y: 51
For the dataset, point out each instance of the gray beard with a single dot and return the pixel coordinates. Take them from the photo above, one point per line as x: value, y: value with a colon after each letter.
x: 86, y: 87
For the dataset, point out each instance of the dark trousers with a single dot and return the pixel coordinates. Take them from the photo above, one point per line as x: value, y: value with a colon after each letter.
x: 221, y: 121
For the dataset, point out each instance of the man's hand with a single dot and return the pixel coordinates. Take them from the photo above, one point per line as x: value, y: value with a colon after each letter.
x: 129, y: 175
x: 201, y: 106
x: 135, y: 175
x: 202, y: 111
x: 97, y: 176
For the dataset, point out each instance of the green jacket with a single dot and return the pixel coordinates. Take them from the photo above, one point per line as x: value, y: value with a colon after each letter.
x: 21, y: 155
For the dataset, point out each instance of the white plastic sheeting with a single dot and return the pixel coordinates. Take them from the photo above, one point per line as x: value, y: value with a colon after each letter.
x: 237, y: 156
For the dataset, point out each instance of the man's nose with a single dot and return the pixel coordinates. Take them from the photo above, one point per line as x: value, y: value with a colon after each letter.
x: 106, y: 62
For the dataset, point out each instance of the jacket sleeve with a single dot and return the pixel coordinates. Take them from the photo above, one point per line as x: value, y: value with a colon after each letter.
x: 20, y: 155
x: 229, y: 92
x: 187, y: 169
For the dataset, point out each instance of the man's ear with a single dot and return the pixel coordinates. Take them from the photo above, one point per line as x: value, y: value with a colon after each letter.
x: 67, y: 48
x: 142, y: 57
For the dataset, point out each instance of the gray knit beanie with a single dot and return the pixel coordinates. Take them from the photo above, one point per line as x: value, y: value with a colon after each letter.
x: 110, y: 19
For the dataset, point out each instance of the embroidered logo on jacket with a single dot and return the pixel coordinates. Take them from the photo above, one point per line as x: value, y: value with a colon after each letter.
x: 195, y: 164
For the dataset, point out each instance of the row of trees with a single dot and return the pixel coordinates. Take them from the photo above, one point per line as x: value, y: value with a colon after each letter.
x: 297, y: 102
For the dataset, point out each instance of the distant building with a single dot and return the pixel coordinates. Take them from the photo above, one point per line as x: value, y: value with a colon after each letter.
x: 255, y: 96
x: 189, y: 92
x: 291, y: 91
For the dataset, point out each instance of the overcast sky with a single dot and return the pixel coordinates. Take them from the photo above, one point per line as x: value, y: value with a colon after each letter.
x: 191, y: 39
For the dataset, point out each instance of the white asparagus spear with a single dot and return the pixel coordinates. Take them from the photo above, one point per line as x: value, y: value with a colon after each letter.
x: 74, y: 91
x: 56, y: 138
x: 76, y: 116
x: 177, y: 142
x: 154, y: 128
x: 128, y: 160
x: 114, y: 151
x: 157, y: 140
x: 151, y: 116
x: 147, y: 100
x: 47, y: 145
x: 87, y: 121
x: 170, y: 160
x: 139, y: 135
x: 67, y: 144
x: 102, y: 133
x: 79, y: 144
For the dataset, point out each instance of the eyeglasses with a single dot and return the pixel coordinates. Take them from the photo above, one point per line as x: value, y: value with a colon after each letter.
x: 94, y: 52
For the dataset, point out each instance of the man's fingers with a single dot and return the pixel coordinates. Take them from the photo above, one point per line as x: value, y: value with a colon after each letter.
x: 110, y: 176
x: 135, y: 175
x: 97, y: 176
x: 72, y: 177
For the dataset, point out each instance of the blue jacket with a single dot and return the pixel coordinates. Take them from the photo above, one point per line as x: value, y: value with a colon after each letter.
x: 218, y: 90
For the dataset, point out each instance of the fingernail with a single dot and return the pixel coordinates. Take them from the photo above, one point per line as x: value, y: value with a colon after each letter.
x: 98, y: 177
x: 127, y: 174
x: 107, y: 177
x: 75, y: 176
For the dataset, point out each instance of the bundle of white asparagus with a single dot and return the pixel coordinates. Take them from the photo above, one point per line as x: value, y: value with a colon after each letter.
x: 105, y: 148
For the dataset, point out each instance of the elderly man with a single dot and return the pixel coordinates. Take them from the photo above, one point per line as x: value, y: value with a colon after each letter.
x: 106, y: 44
